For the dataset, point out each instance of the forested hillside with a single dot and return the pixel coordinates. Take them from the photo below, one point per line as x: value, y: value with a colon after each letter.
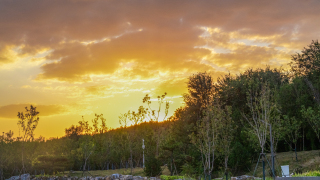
x: 223, y: 127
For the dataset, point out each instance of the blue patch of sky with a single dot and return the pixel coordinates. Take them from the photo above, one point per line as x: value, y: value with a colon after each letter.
x: 218, y: 68
x: 215, y: 50
x: 222, y: 50
x: 249, y: 42
x: 280, y: 48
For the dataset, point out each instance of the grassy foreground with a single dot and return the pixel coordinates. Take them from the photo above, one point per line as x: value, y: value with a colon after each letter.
x: 136, y: 172
x: 307, y: 161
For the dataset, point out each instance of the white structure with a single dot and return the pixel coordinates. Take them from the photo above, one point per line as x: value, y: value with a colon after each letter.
x: 285, y: 171
x: 143, y: 151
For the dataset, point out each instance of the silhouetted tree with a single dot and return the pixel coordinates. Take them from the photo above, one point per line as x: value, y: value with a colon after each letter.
x: 28, y: 123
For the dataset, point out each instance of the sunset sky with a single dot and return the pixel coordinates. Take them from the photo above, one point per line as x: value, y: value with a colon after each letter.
x: 80, y: 57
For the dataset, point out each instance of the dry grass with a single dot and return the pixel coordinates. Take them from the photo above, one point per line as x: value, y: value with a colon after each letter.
x: 136, y: 172
x: 307, y: 161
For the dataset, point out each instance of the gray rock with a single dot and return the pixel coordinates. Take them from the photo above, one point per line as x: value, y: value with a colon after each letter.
x: 99, y: 178
x: 245, y: 177
x: 21, y: 177
x: 13, y: 178
x: 127, y: 177
x: 115, y: 176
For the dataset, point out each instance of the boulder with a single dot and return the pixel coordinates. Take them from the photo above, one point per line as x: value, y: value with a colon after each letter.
x: 127, y: 177
x: 13, y: 178
x: 99, y: 178
x: 245, y: 177
x: 21, y: 177
x: 115, y: 176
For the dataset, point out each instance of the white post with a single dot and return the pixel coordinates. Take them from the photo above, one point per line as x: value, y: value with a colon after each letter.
x: 143, y: 151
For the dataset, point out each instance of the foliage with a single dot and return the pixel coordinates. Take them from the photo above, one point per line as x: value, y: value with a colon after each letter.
x: 51, y: 163
x: 311, y: 173
x: 28, y: 122
x: 313, y: 117
x: 152, y: 166
x: 164, y: 177
x: 154, y: 115
x: 103, y: 127
x: 205, y: 139
x: 224, y: 123
x: 308, y: 61
x: 200, y: 95
x: 290, y: 131
x: 226, y: 129
x: 262, y: 112
x: 307, y: 66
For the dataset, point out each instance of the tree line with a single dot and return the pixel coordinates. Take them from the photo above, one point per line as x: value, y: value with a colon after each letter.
x: 222, y: 127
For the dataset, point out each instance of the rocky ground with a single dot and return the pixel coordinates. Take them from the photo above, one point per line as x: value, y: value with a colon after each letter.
x: 112, y: 177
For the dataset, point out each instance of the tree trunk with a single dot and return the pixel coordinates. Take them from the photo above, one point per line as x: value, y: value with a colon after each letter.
x: 303, y: 139
x: 84, y: 166
x: 295, y: 150
x: 1, y: 176
x: 171, y: 163
x: 131, y: 161
x: 226, y: 166
x: 23, y: 168
x: 314, y: 92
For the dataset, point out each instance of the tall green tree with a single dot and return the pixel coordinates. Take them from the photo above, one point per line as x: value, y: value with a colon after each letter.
x: 154, y: 115
x: 200, y: 95
x: 205, y: 139
x: 262, y: 106
x: 313, y: 117
x: 307, y: 65
x: 290, y: 132
x: 226, y: 128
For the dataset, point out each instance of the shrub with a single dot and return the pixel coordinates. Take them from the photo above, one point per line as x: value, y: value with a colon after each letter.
x: 164, y: 177
x: 311, y: 173
x: 152, y: 166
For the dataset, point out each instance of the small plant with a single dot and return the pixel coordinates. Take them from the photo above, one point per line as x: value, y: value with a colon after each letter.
x: 164, y: 177
x: 310, y: 173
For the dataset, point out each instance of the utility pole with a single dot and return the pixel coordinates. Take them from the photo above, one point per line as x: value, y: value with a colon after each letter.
x: 272, y: 155
x: 143, y: 146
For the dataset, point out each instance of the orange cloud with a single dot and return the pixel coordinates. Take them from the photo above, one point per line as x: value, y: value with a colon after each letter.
x: 89, y: 55
x: 94, y: 37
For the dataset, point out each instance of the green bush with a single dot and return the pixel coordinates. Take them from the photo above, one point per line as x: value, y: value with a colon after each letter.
x: 311, y: 173
x: 152, y: 166
x: 164, y: 177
